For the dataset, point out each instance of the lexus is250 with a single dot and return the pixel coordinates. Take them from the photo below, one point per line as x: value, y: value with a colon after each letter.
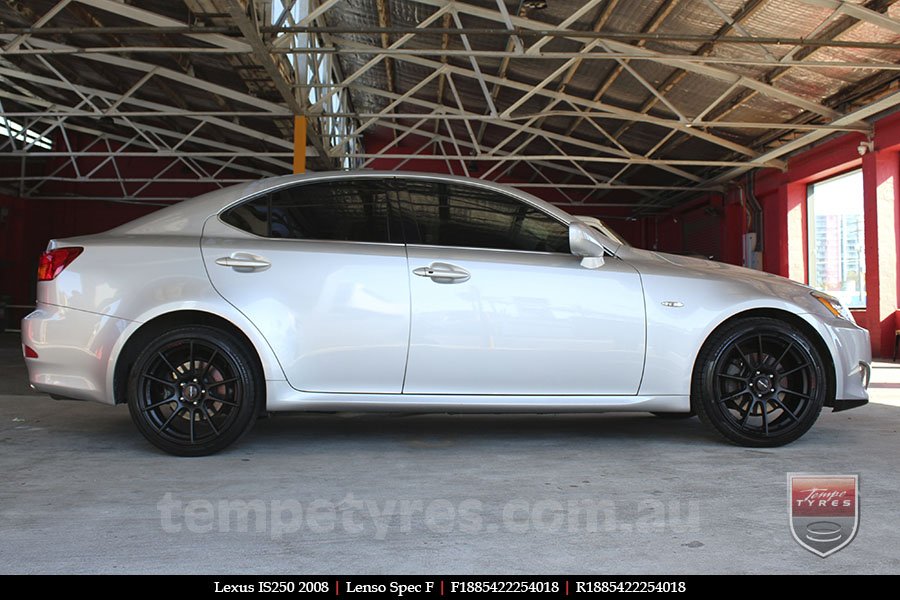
x: 387, y: 291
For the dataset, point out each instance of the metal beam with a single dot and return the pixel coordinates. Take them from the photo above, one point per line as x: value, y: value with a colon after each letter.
x: 866, y: 112
x: 858, y: 12
x: 616, y: 46
x: 47, y: 17
x: 158, y: 21
x: 445, y: 112
x: 589, y: 104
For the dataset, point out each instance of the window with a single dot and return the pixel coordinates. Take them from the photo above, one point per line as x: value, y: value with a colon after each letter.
x: 837, y: 256
x: 27, y: 137
x: 356, y: 210
x: 450, y: 214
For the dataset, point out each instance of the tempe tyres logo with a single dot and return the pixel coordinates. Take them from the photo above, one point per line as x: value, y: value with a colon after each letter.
x: 824, y: 511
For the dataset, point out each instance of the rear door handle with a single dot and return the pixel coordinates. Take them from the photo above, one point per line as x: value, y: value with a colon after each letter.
x: 244, y: 262
x: 443, y: 273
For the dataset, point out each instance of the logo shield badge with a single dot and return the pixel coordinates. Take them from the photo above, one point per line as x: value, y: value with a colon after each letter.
x: 824, y: 511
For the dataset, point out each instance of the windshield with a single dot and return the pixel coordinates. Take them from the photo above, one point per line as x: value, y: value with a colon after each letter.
x: 604, y: 229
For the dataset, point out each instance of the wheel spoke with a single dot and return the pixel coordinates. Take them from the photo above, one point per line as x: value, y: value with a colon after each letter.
x: 784, y: 407
x: 222, y: 400
x: 174, y: 414
x: 191, y: 365
x: 209, y: 420
x: 747, y: 413
x: 800, y: 394
x: 191, y: 419
x: 735, y: 377
x: 223, y: 382
x: 733, y: 396
x: 794, y: 370
x: 765, y: 416
x: 168, y: 364
x: 170, y: 384
x: 761, y: 361
x: 743, y: 356
x: 783, y: 354
x: 158, y: 404
x: 209, y: 364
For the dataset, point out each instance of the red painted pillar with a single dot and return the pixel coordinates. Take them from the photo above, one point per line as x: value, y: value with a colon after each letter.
x: 880, y: 195
x: 797, y: 231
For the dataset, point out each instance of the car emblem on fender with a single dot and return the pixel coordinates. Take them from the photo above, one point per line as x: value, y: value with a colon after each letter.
x: 823, y: 510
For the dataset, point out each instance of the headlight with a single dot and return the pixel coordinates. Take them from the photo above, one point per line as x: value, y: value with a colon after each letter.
x: 834, y: 306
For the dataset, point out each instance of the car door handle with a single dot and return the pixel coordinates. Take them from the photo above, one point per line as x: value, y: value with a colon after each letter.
x: 244, y: 263
x: 443, y: 273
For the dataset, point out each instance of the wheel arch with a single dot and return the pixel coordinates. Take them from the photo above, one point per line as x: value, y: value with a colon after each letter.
x: 143, y: 334
x: 788, y: 317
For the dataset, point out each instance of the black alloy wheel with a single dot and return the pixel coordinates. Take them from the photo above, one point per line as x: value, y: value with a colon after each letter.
x: 193, y: 391
x: 759, y: 382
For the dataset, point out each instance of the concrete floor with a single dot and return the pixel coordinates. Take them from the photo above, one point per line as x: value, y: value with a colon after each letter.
x: 82, y: 492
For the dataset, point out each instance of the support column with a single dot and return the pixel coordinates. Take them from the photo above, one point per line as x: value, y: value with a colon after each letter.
x: 880, y: 195
x: 299, y: 144
x: 794, y: 195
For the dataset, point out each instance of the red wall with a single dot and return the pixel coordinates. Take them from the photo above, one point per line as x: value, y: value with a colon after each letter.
x: 27, y: 225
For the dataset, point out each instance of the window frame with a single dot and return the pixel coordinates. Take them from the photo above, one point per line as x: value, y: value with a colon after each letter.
x: 404, y: 204
x: 279, y: 188
x: 809, y: 238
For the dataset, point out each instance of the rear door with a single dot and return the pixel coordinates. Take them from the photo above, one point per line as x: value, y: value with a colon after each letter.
x: 320, y: 268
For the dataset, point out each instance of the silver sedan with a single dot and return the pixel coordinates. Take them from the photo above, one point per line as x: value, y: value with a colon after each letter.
x: 392, y: 291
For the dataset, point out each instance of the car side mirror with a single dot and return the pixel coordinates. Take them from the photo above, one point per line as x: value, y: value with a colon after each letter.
x: 584, y: 243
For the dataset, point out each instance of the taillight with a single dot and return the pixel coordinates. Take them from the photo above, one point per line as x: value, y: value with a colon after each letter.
x: 54, y: 261
x: 29, y: 351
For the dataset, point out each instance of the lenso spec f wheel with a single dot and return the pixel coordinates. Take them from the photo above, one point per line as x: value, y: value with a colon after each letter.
x: 759, y: 382
x: 194, y: 390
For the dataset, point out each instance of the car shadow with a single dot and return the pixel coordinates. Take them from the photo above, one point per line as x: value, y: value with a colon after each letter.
x: 474, y: 430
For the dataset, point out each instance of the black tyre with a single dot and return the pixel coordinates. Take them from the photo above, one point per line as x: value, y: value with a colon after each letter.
x: 194, y: 390
x: 759, y: 382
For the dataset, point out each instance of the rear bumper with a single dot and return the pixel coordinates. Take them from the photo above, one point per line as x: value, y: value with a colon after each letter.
x: 74, y: 349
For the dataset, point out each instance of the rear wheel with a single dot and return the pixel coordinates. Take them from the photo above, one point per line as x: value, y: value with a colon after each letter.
x: 194, y: 390
x: 759, y: 382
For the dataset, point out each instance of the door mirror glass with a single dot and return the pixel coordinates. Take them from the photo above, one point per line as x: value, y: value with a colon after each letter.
x: 586, y: 244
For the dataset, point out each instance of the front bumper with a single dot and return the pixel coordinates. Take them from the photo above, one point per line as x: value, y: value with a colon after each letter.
x: 74, y: 349
x: 852, y: 363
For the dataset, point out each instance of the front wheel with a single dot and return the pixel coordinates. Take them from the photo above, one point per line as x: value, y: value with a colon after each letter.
x: 193, y: 391
x: 759, y: 382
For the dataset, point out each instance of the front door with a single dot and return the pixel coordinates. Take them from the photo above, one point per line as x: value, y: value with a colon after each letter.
x: 500, y: 306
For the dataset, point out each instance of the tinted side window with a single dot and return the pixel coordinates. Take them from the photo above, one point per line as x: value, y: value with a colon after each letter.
x: 251, y: 216
x: 358, y: 210
x: 450, y: 214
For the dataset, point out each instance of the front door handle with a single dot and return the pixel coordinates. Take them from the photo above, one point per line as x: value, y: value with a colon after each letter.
x: 244, y: 263
x: 443, y: 273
